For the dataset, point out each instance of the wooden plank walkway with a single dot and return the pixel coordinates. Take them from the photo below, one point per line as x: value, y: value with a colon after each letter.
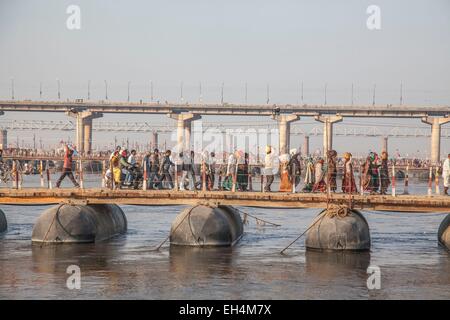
x: 401, y: 203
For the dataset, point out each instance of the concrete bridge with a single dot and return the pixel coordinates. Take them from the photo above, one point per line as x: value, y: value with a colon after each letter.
x: 401, y: 203
x: 184, y: 114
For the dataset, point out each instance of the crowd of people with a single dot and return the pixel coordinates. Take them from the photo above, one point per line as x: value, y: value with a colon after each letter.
x: 158, y: 170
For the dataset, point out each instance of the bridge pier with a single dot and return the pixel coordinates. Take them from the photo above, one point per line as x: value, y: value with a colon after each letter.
x: 435, y: 136
x: 205, y: 225
x: 338, y: 228
x: 154, y: 139
x: 84, y: 129
x: 3, y: 139
x: 284, y: 129
x: 444, y: 232
x: 66, y: 223
x: 384, y: 146
x: 184, y: 121
x: 306, y: 146
x: 328, y: 122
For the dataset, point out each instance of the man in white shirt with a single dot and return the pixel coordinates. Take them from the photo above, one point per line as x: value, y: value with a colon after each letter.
x: 446, y: 174
x: 268, y: 168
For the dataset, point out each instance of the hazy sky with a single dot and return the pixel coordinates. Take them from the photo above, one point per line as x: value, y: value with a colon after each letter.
x: 279, y: 43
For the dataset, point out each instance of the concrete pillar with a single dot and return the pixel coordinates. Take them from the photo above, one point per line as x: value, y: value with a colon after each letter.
x: 3, y: 139
x: 435, y: 136
x: 224, y: 141
x: 306, y: 146
x: 384, y: 141
x: 84, y: 129
x: 328, y: 131
x: 155, y: 139
x: 284, y: 125
x: 87, y: 135
x: 184, y: 129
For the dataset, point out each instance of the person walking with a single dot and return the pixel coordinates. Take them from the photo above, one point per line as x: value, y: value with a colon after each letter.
x: 187, y: 181
x: 69, y: 152
x: 348, y: 179
x: 268, y: 168
x: 332, y: 170
x: 285, y: 179
x: 446, y: 174
x: 384, y: 173
x: 212, y: 168
x: 319, y: 176
x: 309, y: 175
x: 295, y: 167
x: 371, y: 180
x: 154, y: 170
x: 231, y: 172
x: 165, y: 170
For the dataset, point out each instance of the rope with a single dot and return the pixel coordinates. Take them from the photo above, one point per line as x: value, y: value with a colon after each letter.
x: 340, y: 211
x: 256, y: 218
x: 51, y: 224
x: 319, y: 218
x: 331, y: 212
x: 168, y: 237
x: 64, y: 229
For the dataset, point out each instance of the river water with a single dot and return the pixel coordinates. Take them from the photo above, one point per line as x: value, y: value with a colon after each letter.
x: 404, y: 247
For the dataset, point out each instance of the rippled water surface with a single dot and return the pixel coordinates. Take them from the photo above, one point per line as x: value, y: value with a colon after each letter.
x: 404, y: 246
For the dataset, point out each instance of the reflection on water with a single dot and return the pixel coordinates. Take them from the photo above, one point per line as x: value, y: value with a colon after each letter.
x: 55, y: 258
x: 192, y: 261
x: 329, y: 265
x: 404, y: 246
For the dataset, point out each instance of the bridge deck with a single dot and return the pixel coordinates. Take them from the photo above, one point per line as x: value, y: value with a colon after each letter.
x: 402, y: 203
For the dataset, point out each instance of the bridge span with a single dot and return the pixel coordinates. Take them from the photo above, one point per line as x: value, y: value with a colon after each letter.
x: 86, y: 111
x: 401, y: 203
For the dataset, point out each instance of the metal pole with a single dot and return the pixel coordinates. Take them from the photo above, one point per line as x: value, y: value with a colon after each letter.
x: 393, y: 180
x: 436, y: 180
x: 430, y: 181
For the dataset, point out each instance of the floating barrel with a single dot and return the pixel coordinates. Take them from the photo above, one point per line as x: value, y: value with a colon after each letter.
x: 3, y: 223
x: 444, y: 232
x: 340, y: 228
x: 79, y: 223
x: 203, y: 225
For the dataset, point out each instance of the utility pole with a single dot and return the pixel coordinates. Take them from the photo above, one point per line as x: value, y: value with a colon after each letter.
x: 246, y: 93
x: 401, y: 93
x: 128, y: 99
x: 326, y: 93
x: 221, y: 99
x: 89, y: 90
x: 181, y: 91
x: 200, y: 97
x: 151, y: 91
x: 302, y: 92
x: 106, y: 90
x: 374, y: 89
x: 59, y: 88
x: 40, y: 90
x: 352, y: 94
x: 12, y: 89
x: 267, y: 94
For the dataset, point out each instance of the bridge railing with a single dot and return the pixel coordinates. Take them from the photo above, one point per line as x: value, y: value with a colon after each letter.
x: 92, y: 172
